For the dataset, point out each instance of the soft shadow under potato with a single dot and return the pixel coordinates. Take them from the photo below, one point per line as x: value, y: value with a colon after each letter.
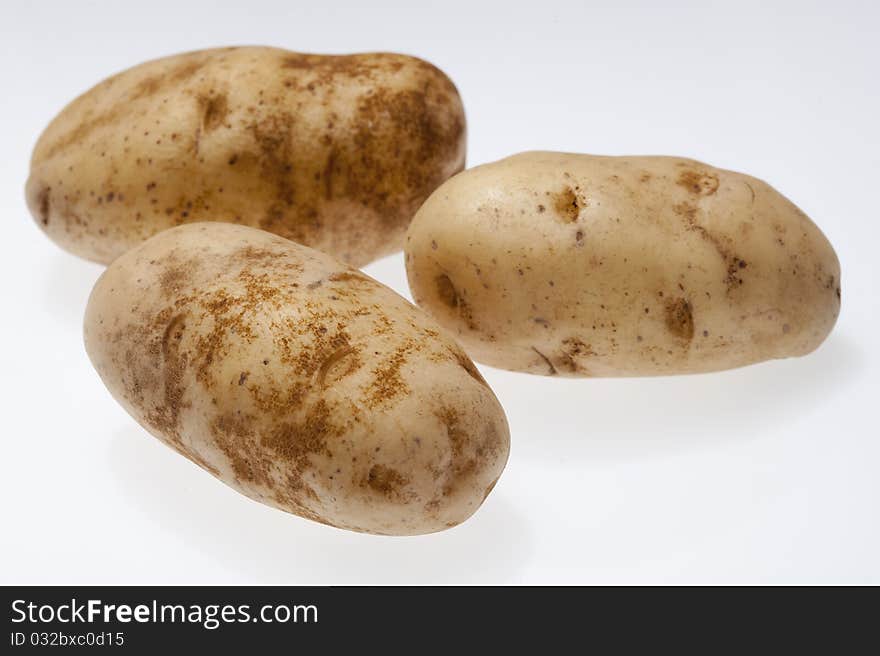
x: 270, y: 546
x: 635, y: 419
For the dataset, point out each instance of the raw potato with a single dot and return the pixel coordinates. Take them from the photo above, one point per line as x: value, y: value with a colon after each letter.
x: 298, y: 381
x: 577, y: 265
x: 335, y: 152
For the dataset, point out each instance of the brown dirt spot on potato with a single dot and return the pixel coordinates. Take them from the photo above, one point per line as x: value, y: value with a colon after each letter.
x: 680, y: 319
x: 146, y: 87
x: 387, y: 382
x: 195, y: 457
x: 43, y: 207
x: 328, y: 173
x: 566, y: 205
x: 227, y: 316
x: 214, y: 109
x: 259, y: 288
x: 80, y: 132
x: 295, y: 442
x: 219, y: 307
x: 458, y: 438
x: 273, y: 137
x: 489, y: 489
x: 466, y: 313
x: 446, y: 291
x: 385, y: 480
x: 297, y: 61
x: 305, y: 344
x: 326, y: 67
x: 234, y: 436
x: 264, y: 256
x: 391, y: 128
x: 314, y: 352
x: 833, y: 283
x: 688, y: 212
x: 246, y: 450
x: 567, y: 363
x: 449, y: 296
x: 471, y: 452
x: 290, y: 497
x: 173, y: 278
x: 395, y: 147
x: 576, y: 347
x: 186, y: 69
x: 699, y: 183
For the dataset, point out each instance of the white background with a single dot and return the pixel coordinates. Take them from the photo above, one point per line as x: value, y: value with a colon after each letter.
x: 765, y: 474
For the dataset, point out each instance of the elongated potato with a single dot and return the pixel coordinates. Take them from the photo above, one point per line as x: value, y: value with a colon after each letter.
x: 578, y: 265
x: 296, y: 380
x: 335, y: 152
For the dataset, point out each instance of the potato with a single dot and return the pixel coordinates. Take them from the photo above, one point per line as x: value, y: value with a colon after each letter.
x: 335, y: 152
x: 577, y: 265
x: 296, y: 380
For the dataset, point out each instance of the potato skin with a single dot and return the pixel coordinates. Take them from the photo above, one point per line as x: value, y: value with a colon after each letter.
x: 579, y: 265
x: 335, y: 152
x: 298, y: 381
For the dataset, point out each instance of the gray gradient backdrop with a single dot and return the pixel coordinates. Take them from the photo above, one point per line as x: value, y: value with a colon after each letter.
x: 765, y: 474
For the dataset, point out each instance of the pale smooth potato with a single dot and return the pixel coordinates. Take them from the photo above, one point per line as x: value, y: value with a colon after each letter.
x: 300, y: 382
x: 579, y: 265
x: 335, y: 152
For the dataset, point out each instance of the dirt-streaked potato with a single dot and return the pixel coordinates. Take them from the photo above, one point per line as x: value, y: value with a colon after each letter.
x: 298, y: 381
x: 579, y: 265
x: 335, y: 152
